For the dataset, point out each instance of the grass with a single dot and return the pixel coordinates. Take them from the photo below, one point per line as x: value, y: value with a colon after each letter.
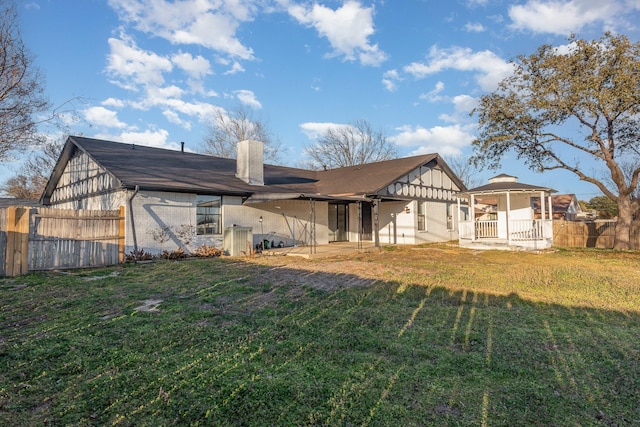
x: 429, y: 335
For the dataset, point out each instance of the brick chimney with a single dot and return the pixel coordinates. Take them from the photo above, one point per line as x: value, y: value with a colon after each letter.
x: 250, y: 167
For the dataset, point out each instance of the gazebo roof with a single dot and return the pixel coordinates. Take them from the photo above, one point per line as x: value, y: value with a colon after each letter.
x: 507, y: 184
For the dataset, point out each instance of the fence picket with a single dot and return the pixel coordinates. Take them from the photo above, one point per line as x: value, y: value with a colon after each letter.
x: 48, y: 238
x: 590, y: 234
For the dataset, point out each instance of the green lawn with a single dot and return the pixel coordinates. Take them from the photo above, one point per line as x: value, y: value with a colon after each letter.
x: 407, y: 337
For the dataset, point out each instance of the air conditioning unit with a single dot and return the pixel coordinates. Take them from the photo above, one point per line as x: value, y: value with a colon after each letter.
x: 238, y: 240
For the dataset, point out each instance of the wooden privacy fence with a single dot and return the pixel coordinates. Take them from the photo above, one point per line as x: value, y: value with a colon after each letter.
x: 590, y: 234
x: 33, y: 239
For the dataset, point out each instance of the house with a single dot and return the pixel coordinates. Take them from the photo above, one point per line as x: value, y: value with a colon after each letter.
x: 565, y: 207
x: 515, y: 225
x: 179, y: 199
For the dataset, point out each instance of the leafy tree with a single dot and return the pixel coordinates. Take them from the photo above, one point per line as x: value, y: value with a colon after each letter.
x: 229, y: 128
x: 605, y: 207
x: 349, y: 145
x: 21, y: 91
x: 30, y: 180
x: 593, y: 86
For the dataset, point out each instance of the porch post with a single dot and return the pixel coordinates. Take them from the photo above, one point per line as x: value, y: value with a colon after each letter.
x: 376, y: 223
x: 312, y: 231
x: 542, y: 215
x: 472, y: 214
x: 550, y: 208
x: 359, y: 224
x: 507, y: 216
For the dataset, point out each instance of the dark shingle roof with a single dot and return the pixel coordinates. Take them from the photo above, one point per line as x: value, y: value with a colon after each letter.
x: 369, y: 178
x: 501, y: 187
x: 169, y: 170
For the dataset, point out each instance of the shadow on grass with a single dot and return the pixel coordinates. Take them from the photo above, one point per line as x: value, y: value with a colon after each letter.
x: 235, y: 343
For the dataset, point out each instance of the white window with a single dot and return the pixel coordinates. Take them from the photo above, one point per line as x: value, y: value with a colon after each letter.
x: 422, y: 217
x: 209, y: 214
x: 450, y: 222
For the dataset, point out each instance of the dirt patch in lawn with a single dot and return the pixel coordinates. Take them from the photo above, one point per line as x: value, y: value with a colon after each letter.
x: 349, y: 270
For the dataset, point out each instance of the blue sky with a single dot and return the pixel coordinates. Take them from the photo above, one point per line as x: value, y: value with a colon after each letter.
x: 153, y: 72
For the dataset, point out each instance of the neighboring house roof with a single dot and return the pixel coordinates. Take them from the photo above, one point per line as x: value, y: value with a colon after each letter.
x: 5, y: 202
x: 169, y: 170
x: 562, y: 203
x: 565, y: 206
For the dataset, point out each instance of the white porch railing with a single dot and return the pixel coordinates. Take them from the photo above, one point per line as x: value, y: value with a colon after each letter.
x: 487, y: 229
x: 520, y: 230
x: 526, y: 229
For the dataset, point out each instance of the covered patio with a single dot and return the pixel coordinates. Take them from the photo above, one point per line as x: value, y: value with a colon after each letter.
x: 502, y: 216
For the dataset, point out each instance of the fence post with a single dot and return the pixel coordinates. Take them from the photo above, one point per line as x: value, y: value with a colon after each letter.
x: 121, y: 236
x: 11, y: 223
x: 17, y: 241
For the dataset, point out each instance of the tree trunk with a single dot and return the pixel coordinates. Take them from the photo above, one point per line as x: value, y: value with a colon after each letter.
x: 623, y: 225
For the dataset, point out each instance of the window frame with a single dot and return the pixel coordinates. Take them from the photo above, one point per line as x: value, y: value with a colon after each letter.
x: 208, y: 215
x: 421, y: 215
x: 449, y: 212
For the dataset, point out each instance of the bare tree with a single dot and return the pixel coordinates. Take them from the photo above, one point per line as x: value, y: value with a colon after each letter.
x: 350, y: 145
x: 21, y: 91
x: 465, y: 170
x: 32, y: 177
x: 593, y: 87
x: 239, y: 124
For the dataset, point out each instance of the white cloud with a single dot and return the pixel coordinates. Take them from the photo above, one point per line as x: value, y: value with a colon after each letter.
x: 445, y: 140
x: 236, y: 68
x: 347, y: 29
x: 314, y: 130
x: 490, y: 68
x: 389, y: 79
x: 158, y: 95
x: 175, y: 118
x: 113, y: 102
x: 565, y: 17
x: 463, y: 104
x: 132, y: 66
x: 196, y: 67
x: 434, y: 94
x: 247, y: 97
x: 150, y: 138
x: 100, y: 116
x: 208, y: 23
x: 474, y: 27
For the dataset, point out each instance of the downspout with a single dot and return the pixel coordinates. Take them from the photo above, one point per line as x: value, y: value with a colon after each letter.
x: 133, y: 224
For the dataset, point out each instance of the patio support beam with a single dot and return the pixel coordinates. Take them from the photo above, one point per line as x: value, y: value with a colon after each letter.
x: 507, y: 216
x: 312, y: 230
x: 359, y: 224
x: 472, y: 214
x: 542, y: 215
x: 376, y: 223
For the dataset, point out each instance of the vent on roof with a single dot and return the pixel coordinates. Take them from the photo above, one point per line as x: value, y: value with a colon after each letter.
x: 250, y: 167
